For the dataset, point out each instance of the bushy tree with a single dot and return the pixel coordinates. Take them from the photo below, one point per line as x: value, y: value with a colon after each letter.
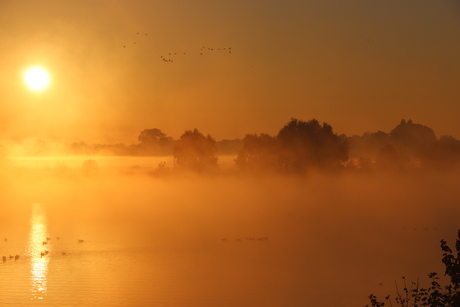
x: 369, y: 144
x: 435, y: 295
x: 153, y: 136
x: 411, y: 135
x: 194, y: 151
x: 444, y: 153
x: 308, y: 144
x: 153, y: 141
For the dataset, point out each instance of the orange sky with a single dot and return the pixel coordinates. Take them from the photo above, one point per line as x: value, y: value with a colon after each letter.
x: 359, y: 65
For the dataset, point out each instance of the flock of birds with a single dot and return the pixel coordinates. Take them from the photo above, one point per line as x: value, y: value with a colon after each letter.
x: 134, y: 43
x: 42, y: 254
x: 170, y: 56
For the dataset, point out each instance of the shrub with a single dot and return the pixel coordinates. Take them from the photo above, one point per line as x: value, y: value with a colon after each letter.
x: 435, y: 295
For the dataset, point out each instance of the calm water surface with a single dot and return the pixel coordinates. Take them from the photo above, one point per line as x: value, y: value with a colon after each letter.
x: 112, y: 268
x: 244, y: 244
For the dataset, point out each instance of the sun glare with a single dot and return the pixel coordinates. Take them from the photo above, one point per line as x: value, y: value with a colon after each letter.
x: 36, y: 78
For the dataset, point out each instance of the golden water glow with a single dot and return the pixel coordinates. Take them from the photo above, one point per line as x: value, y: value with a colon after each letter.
x: 38, y: 262
x: 37, y: 78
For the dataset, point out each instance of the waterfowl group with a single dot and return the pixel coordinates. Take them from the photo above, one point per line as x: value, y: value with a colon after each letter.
x: 42, y: 253
x: 15, y: 257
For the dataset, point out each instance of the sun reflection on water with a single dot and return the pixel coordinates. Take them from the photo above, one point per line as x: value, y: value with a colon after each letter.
x: 38, y: 245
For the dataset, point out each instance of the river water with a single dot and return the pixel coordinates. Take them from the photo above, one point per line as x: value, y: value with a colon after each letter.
x: 144, y: 241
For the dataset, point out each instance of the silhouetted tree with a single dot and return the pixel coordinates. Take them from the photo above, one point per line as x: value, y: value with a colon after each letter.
x: 309, y: 144
x: 195, y: 151
x: 153, y: 141
x: 444, y: 153
x: 408, y: 145
x: 435, y: 295
x: 259, y: 153
x: 152, y: 136
x: 412, y: 135
x: 368, y: 144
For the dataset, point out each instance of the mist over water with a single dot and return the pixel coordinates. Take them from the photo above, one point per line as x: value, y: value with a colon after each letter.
x: 217, y: 240
x: 227, y: 153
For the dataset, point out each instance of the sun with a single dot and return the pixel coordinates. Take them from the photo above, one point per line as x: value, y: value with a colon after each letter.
x: 36, y: 78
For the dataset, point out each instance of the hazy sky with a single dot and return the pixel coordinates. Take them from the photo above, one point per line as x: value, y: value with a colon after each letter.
x: 360, y: 65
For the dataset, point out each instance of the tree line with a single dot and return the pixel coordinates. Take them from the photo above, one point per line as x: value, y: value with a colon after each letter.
x: 298, y: 147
